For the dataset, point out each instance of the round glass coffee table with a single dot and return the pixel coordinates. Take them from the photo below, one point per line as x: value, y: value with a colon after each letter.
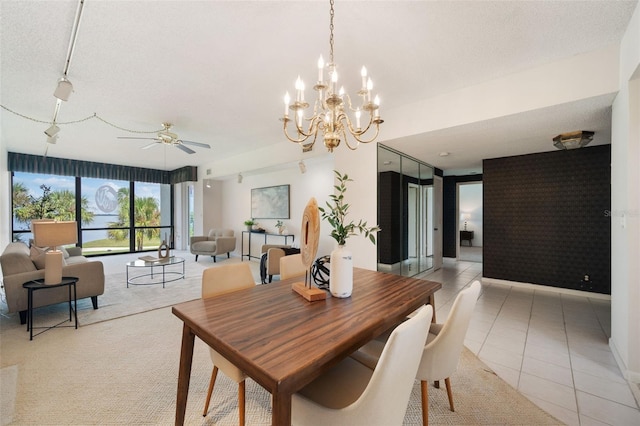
x: 172, y: 269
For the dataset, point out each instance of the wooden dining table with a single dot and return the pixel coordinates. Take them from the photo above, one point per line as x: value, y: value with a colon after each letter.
x: 282, y: 341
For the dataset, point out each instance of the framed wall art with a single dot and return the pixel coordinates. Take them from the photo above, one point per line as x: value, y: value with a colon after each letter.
x: 271, y: 202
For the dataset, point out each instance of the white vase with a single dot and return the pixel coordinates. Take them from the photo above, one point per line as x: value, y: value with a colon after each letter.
x: 341, y: 272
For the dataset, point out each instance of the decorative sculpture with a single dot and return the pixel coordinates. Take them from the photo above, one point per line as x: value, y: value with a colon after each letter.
x: 310, y: 231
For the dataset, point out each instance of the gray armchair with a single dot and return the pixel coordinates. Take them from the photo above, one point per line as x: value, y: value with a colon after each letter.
x: 218, y: 241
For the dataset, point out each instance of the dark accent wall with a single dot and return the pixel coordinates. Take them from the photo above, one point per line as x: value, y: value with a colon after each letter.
x: 449, y: 211
x: 389, y: 218
x: 393, y: 215
x: 545, y: 218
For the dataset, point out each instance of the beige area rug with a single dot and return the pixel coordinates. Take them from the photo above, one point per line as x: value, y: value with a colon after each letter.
x: 119, y: 300
x: 125, y: 371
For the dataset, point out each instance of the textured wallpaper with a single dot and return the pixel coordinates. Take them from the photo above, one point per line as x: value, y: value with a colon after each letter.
x: 546, y: 221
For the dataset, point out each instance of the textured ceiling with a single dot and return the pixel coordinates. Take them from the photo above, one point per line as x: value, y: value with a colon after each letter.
x: 218, y: 70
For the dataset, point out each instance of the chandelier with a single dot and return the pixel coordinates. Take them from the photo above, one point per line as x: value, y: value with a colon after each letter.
x: 331, y: 107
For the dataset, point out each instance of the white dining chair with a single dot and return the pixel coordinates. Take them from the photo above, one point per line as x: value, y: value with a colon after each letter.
x: 353, y: 394
x: 442, y: 350
x: 292, y: 266
x: 216, y: 281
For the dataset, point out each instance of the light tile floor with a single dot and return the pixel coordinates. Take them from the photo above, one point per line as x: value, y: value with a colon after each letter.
x: 552, y: 347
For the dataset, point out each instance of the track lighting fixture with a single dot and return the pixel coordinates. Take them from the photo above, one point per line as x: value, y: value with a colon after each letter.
x: 303, y: 167
x: 52, y: 130
x: 63, y: 90
x: 239, y: 177
x: 208, y: 183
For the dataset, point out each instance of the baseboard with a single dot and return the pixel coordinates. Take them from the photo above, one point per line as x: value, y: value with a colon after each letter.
x: 539, y: 287
x: 386, y: 267
x: 632, y: 377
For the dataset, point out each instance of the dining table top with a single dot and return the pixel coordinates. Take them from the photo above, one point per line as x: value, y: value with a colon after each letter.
x: 283, y: 342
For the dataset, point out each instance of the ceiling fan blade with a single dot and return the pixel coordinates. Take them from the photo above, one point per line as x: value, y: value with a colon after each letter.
x: 151, y: 145
x: 200, y: 144
x: 185, y: 149
x: 134, y: 137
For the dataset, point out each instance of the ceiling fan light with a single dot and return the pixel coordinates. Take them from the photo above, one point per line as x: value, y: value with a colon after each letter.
x: 63, y: 90
x: 573, y: 140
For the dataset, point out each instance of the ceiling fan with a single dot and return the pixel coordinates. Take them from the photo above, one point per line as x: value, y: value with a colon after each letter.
x: 165, y: 136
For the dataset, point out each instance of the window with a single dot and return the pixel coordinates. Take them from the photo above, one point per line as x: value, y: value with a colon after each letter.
x: 38, y: 196
x: 104, y: 230
x: 151, y: 226
x: 107, y: 222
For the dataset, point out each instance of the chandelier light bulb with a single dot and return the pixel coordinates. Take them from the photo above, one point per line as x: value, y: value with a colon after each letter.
x: 341, y: 91
x: 320, y: 69
x: 358, y: 114
x: 299, y: 117
x: 287, y: 99
x: 363, y: 74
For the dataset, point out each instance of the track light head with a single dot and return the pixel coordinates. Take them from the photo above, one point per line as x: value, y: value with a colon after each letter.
x: 63, y: 90
x: 303, y: 167
x: 52, y: 130
x: 239, y: 177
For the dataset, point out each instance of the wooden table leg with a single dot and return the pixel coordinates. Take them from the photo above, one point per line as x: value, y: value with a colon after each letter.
x: 281, y: 410
x: 432, y: 302
x: 184, y: 373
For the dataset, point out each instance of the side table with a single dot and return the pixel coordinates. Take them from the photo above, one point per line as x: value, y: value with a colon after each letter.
x: 39, y: 284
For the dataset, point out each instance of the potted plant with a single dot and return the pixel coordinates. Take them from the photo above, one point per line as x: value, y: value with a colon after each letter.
x: 280, y: 226
x: 341, y: 273
x: 249, y: 224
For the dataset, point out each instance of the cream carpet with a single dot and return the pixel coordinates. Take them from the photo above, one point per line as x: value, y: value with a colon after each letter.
x: 121, y: 367
x: 124, y: 371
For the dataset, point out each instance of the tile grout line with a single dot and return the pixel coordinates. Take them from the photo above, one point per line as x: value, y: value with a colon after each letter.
x: 573, y: 380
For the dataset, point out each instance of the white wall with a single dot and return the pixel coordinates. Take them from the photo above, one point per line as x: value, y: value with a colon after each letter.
x: 625, y: 207
x: 470, y: 201
x: 234, y: 200
x: 5, y: 199
x: 362, y: 195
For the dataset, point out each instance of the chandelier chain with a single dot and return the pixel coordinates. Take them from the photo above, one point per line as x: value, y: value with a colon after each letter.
x: 331, y: 14
x: 95, y: 115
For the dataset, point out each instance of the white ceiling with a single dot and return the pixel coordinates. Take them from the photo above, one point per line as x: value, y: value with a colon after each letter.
x: 218, y: 70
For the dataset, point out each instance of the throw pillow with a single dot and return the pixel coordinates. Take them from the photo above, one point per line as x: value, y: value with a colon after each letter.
x: 35, y: 252
x: 39, y: 261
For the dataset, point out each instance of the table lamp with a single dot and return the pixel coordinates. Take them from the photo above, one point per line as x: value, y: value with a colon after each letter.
x: 52, y: 235
x: 465, y: 217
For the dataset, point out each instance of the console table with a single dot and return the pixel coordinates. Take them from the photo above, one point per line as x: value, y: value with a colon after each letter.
x: 263, y: 234
x: 466, y: 235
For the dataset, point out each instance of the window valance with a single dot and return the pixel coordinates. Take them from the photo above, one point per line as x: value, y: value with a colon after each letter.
x: 78, y: 168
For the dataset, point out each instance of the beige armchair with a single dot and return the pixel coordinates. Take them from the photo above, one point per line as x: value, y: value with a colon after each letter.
x: 218, y: 241
x: 272, y: 264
